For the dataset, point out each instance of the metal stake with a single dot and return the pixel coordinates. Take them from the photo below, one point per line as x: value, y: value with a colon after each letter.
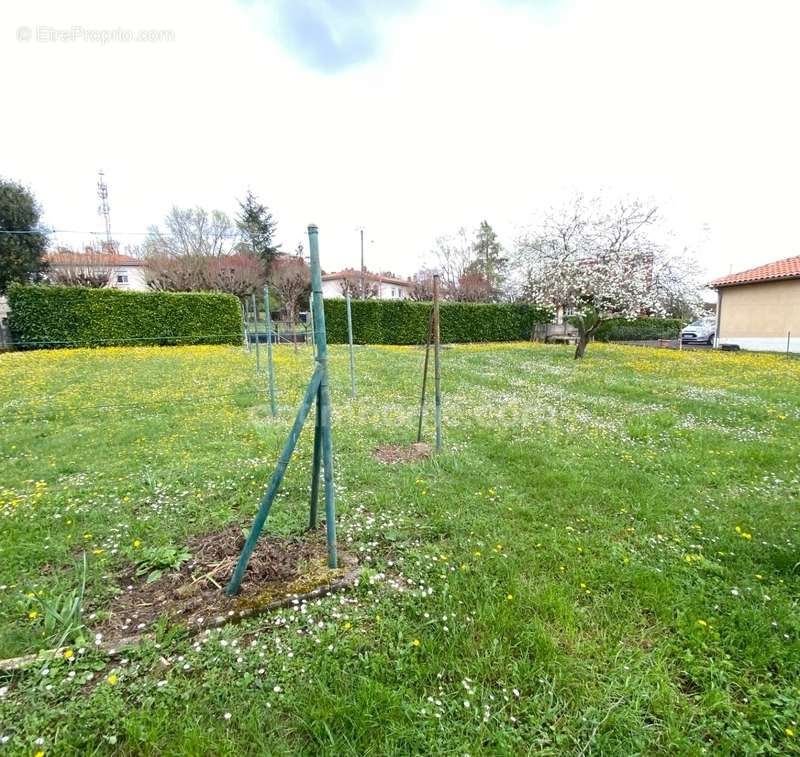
x: 255, y: 328
x: 350, y: 342
x: 246, y: 325
x: 425, y: 376
x: 323, y: 443
x: 268, y: 498
x: 320, y: 341
x: 270, y: 370
x: 437, y: 388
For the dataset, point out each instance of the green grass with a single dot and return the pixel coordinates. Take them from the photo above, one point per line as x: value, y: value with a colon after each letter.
x: 603, y: 560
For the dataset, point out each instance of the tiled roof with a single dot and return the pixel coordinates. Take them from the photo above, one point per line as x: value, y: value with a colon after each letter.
x: 351, y: 273
x: 91, y: 259
x: 788, y: 268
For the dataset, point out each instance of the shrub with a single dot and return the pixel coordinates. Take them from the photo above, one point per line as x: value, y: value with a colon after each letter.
x: 406, y: 322
x: 640, y: 329
x: 51, y: 316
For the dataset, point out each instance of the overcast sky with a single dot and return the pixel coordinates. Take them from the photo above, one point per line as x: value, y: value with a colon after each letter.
x: 410, y: 117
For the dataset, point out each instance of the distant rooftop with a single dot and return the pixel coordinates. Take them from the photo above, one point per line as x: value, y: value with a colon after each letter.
x: 352, y: 273
x: 90, y: 258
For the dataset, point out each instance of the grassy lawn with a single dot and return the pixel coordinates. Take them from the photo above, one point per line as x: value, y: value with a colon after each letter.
x: 605, y: 558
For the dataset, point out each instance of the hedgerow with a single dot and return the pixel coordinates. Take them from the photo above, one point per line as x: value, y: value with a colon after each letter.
x: 43, y: 316
x: 640, y: 329
x: 406, y: 322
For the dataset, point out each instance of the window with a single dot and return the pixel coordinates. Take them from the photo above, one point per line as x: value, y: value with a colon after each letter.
x: 122, y: 278
x: 394, y: 293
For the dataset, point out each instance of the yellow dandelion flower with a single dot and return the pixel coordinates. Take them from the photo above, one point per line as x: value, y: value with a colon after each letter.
x: 33, y: 614
x: 137, y: 543
x: 112, y: 679
x: 416, y: 642
x: 348, y: 626
x: 702, y: 623
x: 68, y: 654
x: 789, y: 732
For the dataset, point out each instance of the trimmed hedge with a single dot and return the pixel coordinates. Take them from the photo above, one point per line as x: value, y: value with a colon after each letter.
x: 406, y: 322
x: 640, y: 329
x: 45, y: 316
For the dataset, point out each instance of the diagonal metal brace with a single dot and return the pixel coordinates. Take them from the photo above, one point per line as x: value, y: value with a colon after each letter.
x: 275, y: 481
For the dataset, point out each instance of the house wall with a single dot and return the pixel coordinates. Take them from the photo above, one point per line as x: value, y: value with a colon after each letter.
x: 760, y: 316
x: 333, y: 288
x: 135, y: 274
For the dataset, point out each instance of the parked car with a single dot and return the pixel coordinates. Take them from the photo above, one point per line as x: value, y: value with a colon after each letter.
x: 701, y: 331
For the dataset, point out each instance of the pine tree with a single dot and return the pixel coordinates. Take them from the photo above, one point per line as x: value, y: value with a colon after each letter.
x: 489, y: 261
x: 258, y: 228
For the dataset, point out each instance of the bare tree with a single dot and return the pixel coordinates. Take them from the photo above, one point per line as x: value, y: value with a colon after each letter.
x: 90, y: 268
x: 290, y: 279
x: 454, y: 254
x: 192, y: 231
x: 199, y: 251
x: 422, y: 285
x: 351, y: 284
x: 596, y: 261
x: 474, y: 287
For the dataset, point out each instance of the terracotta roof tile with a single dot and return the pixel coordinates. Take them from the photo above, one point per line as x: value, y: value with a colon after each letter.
x: 98, y: 259
x: 351, y: 273
x: 788, y: 268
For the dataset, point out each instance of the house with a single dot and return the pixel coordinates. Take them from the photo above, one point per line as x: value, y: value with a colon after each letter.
x: 379, y: 285
x: 759, y: 309
x: 119, y: 271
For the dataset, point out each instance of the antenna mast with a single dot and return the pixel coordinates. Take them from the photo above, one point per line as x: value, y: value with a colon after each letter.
x: 103, y: 209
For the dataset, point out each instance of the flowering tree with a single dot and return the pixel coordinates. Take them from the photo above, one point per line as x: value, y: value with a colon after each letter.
x: 597, y: 263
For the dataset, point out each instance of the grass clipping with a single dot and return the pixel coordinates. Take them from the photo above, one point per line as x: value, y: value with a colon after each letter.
x: 279, y: 569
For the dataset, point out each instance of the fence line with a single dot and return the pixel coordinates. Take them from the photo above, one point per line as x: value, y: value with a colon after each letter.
x: 85, y: 342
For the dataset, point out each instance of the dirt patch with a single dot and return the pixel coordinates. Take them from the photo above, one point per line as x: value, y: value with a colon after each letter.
x: 397, y: 453
x: 194, y: 596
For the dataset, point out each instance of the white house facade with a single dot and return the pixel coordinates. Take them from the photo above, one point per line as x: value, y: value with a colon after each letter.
x: 384, y: 287
x: 123, y: 271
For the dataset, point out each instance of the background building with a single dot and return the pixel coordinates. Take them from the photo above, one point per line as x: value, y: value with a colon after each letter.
x: 377, y: 285
x: 759, y: 309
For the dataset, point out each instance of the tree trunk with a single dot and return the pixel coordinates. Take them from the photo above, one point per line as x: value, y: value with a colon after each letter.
x: 585, y: 333
x: 580, y: 347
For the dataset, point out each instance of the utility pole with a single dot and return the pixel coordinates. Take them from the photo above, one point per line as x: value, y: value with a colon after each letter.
x: 103, y: 209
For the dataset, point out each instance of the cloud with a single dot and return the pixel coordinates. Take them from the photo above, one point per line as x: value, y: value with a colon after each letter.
x: 333, y: 35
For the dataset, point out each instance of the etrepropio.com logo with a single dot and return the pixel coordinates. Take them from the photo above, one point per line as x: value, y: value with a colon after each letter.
x: 73, y: 34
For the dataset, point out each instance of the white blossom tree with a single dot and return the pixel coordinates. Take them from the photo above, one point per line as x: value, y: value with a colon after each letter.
x: 598, y: 262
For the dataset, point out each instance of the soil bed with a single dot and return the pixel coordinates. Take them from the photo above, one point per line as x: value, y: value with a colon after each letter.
x: 194, y: 596
x: 397, y: 453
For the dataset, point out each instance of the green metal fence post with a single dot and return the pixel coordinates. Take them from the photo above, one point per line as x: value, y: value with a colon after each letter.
x: 246, y: 316
x: 244, y: 325
x: 425, y: 376
x: 268, y: 498
x: 316, y: 462
x: 317, y: 389
x: 320, y: 340
x: 350, y: 342
x: 437, y: 386
x: 255, y: 329
x: 270, y: 370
